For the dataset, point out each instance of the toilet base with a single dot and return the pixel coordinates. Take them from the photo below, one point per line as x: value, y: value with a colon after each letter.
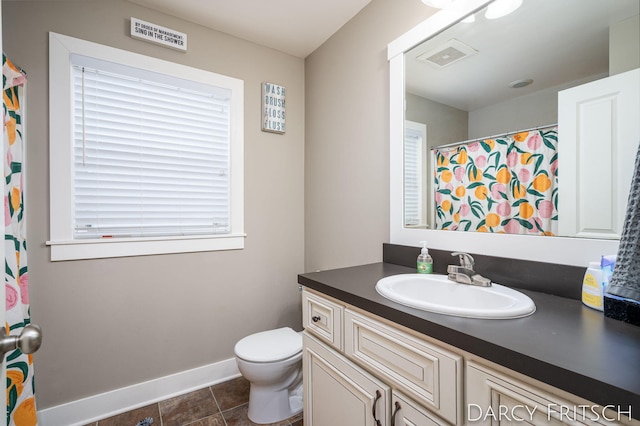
x: 267, y: 405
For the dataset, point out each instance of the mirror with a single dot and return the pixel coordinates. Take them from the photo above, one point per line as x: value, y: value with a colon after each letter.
x: 495, y: 77
x: 559, y: 250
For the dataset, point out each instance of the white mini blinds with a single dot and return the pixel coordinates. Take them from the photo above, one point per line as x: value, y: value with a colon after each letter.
x: 151, y: 153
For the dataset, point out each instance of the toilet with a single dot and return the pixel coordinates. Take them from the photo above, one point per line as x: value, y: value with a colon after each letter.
x: 272, y: 363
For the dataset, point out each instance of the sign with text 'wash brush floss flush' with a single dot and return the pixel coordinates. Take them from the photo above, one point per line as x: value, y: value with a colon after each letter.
x: 273, y: 108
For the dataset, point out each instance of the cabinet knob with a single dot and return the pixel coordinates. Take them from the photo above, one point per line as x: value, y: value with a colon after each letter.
x: 315, y: 318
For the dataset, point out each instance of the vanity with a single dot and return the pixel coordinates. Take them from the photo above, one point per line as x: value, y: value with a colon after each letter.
x: 370, y: 361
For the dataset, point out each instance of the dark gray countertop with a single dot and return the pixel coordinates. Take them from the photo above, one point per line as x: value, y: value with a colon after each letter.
x: 564, y: 343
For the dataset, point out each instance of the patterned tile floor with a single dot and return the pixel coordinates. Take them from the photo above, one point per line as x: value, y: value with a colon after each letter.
x: 224, y: 404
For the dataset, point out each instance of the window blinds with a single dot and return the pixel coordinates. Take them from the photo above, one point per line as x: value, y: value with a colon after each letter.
x: 413, y: 179
x: 151, y: 157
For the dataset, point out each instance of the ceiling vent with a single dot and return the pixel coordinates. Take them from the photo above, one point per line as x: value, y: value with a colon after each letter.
x: 446, y: 54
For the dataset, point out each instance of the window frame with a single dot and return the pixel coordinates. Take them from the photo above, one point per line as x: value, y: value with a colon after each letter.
x: 62, y: 242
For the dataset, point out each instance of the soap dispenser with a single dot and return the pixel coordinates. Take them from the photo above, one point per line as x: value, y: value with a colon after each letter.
x: 425, y: 262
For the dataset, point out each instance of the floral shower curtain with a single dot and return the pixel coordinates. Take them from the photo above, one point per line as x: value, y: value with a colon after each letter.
x: 507, y: 184
x: 21, y: 409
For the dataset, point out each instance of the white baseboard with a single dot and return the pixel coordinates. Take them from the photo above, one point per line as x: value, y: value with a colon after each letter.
x: 94, y: 408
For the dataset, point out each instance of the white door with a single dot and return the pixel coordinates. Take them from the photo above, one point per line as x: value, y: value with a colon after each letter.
x: 598, y: 135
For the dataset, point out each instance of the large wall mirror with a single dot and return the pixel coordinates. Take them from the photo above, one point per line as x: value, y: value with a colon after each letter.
x: 465, y: 83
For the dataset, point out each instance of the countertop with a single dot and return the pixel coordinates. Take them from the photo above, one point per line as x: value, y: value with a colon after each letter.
x: 564, y: 343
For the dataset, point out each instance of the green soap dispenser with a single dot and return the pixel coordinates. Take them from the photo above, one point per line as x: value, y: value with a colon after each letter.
x: 425, y: 262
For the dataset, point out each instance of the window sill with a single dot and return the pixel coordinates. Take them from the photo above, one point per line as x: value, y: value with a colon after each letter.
x: 124, y: 247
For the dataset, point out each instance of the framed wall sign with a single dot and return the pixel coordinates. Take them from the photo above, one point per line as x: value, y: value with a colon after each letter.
x: 157, y: 34
x: 273, y: 102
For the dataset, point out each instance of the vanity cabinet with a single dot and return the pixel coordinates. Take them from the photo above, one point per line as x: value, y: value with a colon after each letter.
x: 357, y: 365
x: 393, y: 365
x: 494, y: 398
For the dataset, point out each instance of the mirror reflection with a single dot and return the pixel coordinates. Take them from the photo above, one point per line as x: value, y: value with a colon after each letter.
x: 481, y: 146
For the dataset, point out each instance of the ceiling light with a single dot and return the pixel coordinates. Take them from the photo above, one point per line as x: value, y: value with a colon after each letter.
x: 500, y: 8
x: 520, y: 83
x: 439, y: 4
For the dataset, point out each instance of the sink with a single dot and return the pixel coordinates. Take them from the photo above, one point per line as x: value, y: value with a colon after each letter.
x: 436, y: 293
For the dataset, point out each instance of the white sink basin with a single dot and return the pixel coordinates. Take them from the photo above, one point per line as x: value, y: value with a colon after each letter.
x: 436, y: 293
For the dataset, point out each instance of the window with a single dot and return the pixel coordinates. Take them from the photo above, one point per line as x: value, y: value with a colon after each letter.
x: 146, y: 155
x: 415, y: 175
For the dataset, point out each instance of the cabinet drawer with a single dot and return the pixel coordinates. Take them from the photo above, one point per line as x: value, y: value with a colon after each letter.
x: 494, y: 398
x: 423, y: 371
x: 322, y: 318
x: 406, y: 412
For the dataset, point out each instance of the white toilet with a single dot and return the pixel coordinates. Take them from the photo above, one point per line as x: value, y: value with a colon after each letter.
x: 272, y: 363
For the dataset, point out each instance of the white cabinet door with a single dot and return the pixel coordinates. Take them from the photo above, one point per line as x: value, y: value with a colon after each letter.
x: 424, y: 371
x: 598, y: 135
x: 406, y: 412
x: 338, y: 393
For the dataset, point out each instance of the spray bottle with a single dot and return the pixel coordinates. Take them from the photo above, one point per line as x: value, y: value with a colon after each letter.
x: 425, y: 262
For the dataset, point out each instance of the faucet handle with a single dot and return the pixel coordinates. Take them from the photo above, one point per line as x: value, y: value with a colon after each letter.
x: 466, y: 260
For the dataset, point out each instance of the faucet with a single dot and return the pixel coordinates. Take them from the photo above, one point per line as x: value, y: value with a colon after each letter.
x: 464, y: 274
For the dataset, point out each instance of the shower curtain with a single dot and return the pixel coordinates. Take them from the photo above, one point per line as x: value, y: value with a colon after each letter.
x: 21, y: 409
x: 506, y: 184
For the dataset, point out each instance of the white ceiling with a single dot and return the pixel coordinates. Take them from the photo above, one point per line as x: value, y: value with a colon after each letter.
x: 297, y: 27
x: 553, y: 42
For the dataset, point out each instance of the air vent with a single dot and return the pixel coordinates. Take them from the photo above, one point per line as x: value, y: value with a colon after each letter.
x: 446, y: 54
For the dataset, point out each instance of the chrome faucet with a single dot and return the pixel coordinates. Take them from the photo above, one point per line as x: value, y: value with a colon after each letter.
x: 464, y: 274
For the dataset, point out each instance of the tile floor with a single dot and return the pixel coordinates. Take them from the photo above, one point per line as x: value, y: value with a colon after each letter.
x: 224, y: 404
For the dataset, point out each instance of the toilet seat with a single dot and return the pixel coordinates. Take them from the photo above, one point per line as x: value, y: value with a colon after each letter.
x: 269, y: 346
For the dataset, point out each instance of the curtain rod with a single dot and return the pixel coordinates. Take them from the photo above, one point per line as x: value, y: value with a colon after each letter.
x: 454, y: 144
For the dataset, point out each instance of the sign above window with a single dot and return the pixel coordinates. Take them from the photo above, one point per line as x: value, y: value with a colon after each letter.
x: 163, y: 36
x: 273, y: 100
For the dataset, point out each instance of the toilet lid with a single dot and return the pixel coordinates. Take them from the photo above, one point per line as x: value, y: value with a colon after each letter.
x: 268, y: 346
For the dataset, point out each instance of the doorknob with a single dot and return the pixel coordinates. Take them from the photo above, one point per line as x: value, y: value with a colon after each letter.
x: 28, y: 341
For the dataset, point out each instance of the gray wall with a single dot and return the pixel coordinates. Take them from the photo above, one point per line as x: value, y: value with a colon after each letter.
x: 347, y: 136
x: 524, y: 112
x: 115, y: 322
x: 624, y: 45
x: 445, y: 124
